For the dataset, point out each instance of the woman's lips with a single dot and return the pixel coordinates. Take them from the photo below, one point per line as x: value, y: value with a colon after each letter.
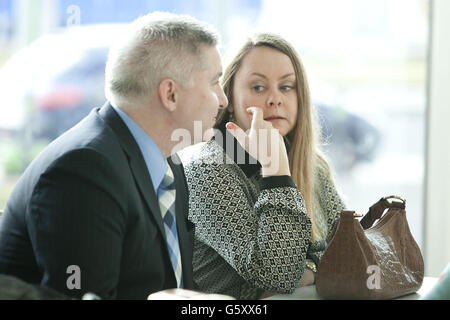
x: 274, y: 118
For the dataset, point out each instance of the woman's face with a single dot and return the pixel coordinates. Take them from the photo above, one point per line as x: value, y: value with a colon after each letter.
x: 266, y: 79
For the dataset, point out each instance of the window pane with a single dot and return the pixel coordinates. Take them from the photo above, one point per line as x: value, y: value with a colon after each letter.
x: 366, y: 62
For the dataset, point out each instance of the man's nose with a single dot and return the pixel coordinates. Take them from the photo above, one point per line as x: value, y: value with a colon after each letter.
x: 223, y: 100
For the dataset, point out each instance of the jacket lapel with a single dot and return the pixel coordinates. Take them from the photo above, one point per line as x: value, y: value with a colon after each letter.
x: 137, y: 162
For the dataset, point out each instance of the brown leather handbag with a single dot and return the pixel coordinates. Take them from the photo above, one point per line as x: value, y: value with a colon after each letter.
x: 371, y: 262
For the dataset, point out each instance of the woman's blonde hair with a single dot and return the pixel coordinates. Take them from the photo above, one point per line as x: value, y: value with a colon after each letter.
x: 305, y: 157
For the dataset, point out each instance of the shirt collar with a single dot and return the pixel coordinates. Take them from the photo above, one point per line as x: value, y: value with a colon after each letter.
x: 154, y: 159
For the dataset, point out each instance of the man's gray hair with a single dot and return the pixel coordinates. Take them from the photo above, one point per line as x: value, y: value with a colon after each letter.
x: 155, y: 47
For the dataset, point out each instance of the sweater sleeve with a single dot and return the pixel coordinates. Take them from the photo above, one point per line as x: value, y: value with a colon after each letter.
x: 265, y: 240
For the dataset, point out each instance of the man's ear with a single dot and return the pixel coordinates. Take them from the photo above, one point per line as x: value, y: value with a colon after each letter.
x: 167, y: 91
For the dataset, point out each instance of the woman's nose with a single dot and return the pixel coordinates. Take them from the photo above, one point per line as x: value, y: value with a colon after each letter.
x: 274, y: 99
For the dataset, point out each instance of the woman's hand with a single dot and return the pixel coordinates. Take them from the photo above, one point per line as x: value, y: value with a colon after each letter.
x: 264, y: 143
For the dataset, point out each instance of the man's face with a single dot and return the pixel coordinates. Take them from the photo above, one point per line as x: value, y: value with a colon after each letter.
x: 200, y: 101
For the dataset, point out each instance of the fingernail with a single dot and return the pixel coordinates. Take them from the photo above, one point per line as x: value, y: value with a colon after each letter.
x: 229, y: 125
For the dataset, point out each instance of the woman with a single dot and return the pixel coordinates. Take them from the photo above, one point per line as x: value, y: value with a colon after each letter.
x: 261, y: 226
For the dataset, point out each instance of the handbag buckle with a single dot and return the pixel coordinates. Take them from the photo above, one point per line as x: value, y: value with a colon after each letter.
x: 395, y: 197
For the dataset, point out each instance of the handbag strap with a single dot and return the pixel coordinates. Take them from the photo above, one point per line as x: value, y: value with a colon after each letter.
x: 376, y: 211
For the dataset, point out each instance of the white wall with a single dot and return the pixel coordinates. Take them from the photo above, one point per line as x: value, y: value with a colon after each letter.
x: 437, y: 205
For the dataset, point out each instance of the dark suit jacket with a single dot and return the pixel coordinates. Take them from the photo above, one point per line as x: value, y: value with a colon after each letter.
x: 88, y: 201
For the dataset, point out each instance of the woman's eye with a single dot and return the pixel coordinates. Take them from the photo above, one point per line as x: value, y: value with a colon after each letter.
x: 286, y: 88
x: 258, y: 88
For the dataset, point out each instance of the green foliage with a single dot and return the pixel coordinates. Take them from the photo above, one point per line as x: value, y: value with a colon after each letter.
x: 17, y: 157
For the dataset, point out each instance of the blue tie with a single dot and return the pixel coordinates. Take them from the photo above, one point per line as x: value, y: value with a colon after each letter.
x: 166, y: 196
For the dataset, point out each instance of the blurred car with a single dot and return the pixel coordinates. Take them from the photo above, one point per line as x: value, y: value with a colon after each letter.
x: 348, y: 138
x: 51, y: 85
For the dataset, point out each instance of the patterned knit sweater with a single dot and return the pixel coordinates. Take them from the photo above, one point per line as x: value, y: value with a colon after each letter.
x: 252, y: 234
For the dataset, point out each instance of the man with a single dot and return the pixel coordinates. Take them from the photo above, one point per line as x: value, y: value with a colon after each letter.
x: 101, y: 210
